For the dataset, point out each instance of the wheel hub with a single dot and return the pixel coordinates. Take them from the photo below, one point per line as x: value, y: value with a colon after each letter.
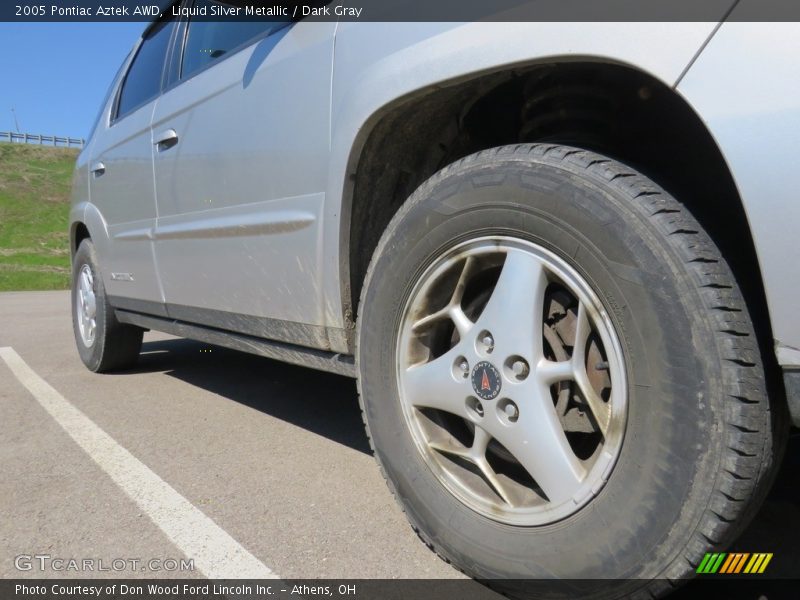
x: 486, y: 381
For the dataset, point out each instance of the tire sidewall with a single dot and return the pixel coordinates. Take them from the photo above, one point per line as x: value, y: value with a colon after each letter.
x: 664, y: 474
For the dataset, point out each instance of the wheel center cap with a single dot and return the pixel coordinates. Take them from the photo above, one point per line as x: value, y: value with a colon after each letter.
x: 486, y: 380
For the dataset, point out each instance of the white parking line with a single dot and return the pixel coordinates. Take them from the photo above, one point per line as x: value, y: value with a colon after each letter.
x: 216, y: 554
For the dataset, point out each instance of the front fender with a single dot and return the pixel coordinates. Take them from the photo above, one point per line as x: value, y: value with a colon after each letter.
x: 377, y: 65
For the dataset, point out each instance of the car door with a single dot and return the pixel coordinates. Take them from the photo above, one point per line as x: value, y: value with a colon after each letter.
x: 121, y: 179
x: 240, y: 169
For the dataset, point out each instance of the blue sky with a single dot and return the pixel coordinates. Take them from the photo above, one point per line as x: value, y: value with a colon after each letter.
x: 56, y: 74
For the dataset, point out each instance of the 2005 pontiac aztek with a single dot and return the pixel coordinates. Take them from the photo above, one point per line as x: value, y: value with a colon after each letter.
x: 560, y: 258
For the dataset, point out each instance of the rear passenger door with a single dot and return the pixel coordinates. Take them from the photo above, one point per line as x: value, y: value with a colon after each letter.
x: 240, y: 169
x: 121, y: 179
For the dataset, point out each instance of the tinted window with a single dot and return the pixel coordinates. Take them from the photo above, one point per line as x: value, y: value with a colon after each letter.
x: 143, y: 81
x: 209, y: 41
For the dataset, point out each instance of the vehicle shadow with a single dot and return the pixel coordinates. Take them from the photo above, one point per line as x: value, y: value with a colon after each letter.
x: 322, y: 403
x: 327, y: 405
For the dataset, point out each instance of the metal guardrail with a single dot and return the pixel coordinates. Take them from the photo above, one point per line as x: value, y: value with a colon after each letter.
x: 50, y: 140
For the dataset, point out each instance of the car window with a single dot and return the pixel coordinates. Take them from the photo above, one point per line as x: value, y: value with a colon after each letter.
x: 143, y: 81
x: 208, y: 41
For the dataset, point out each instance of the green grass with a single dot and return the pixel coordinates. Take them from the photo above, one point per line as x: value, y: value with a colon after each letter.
x: 34, y: 210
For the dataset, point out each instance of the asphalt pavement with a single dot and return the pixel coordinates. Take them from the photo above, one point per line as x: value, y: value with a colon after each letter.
x: 271, y: 459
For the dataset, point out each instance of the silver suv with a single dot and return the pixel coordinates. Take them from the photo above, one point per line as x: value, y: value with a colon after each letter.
x: 560, y: 258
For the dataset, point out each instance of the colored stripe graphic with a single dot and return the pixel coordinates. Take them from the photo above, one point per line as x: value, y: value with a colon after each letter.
x: 764, y: 564
x: 728, y: 561
x: 718, y: 562
x: 758, y: 563
x: 731, y: 560
x: 740, y: 564
x: 724, y: 563
x: 753, y: 563
x: 701, y: 568
x: 734, y: 561
x: 711, y: 562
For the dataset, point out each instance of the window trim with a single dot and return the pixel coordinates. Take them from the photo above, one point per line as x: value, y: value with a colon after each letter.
x: 103, y: 119
x: 175, y: 57
x: 114, y: 116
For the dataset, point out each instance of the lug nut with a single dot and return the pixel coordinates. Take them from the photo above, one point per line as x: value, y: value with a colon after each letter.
x: 520, y: 369
x: 511, y: 411
x: 460, y: 368
x: 485, y: 342
x: 475, y: 407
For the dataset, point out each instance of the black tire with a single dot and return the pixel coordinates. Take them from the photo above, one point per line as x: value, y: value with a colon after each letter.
x: 701, y: 443
x: 115, y: 346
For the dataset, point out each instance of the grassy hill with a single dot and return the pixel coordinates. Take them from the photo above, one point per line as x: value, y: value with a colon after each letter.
x: 34, y: 209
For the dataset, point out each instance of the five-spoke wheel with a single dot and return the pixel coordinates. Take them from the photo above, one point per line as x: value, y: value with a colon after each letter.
x: 512, y: 380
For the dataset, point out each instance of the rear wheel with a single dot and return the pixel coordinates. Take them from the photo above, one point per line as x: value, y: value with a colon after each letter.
x: 103, y: 343
x: 559, y: 375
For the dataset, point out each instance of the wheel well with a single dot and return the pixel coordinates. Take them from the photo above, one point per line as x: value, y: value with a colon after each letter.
x: 615, y: 110
x: 79, y: 233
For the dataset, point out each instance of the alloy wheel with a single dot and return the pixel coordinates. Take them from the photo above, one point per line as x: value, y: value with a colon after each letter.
x: 512, y: 380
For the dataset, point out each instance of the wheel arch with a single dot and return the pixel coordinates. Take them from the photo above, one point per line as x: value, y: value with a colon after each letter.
x: 86, y: 222
x: 600, y: 105
x: 78, y: 233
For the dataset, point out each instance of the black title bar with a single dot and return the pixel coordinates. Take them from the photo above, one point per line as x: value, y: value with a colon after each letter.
x: 410, y: 10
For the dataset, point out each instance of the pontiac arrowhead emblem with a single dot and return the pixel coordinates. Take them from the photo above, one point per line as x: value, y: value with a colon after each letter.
x: 486, y: 381
x: 485, y: 387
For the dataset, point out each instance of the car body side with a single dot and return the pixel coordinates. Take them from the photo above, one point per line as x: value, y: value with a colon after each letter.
x: 740, y: 80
